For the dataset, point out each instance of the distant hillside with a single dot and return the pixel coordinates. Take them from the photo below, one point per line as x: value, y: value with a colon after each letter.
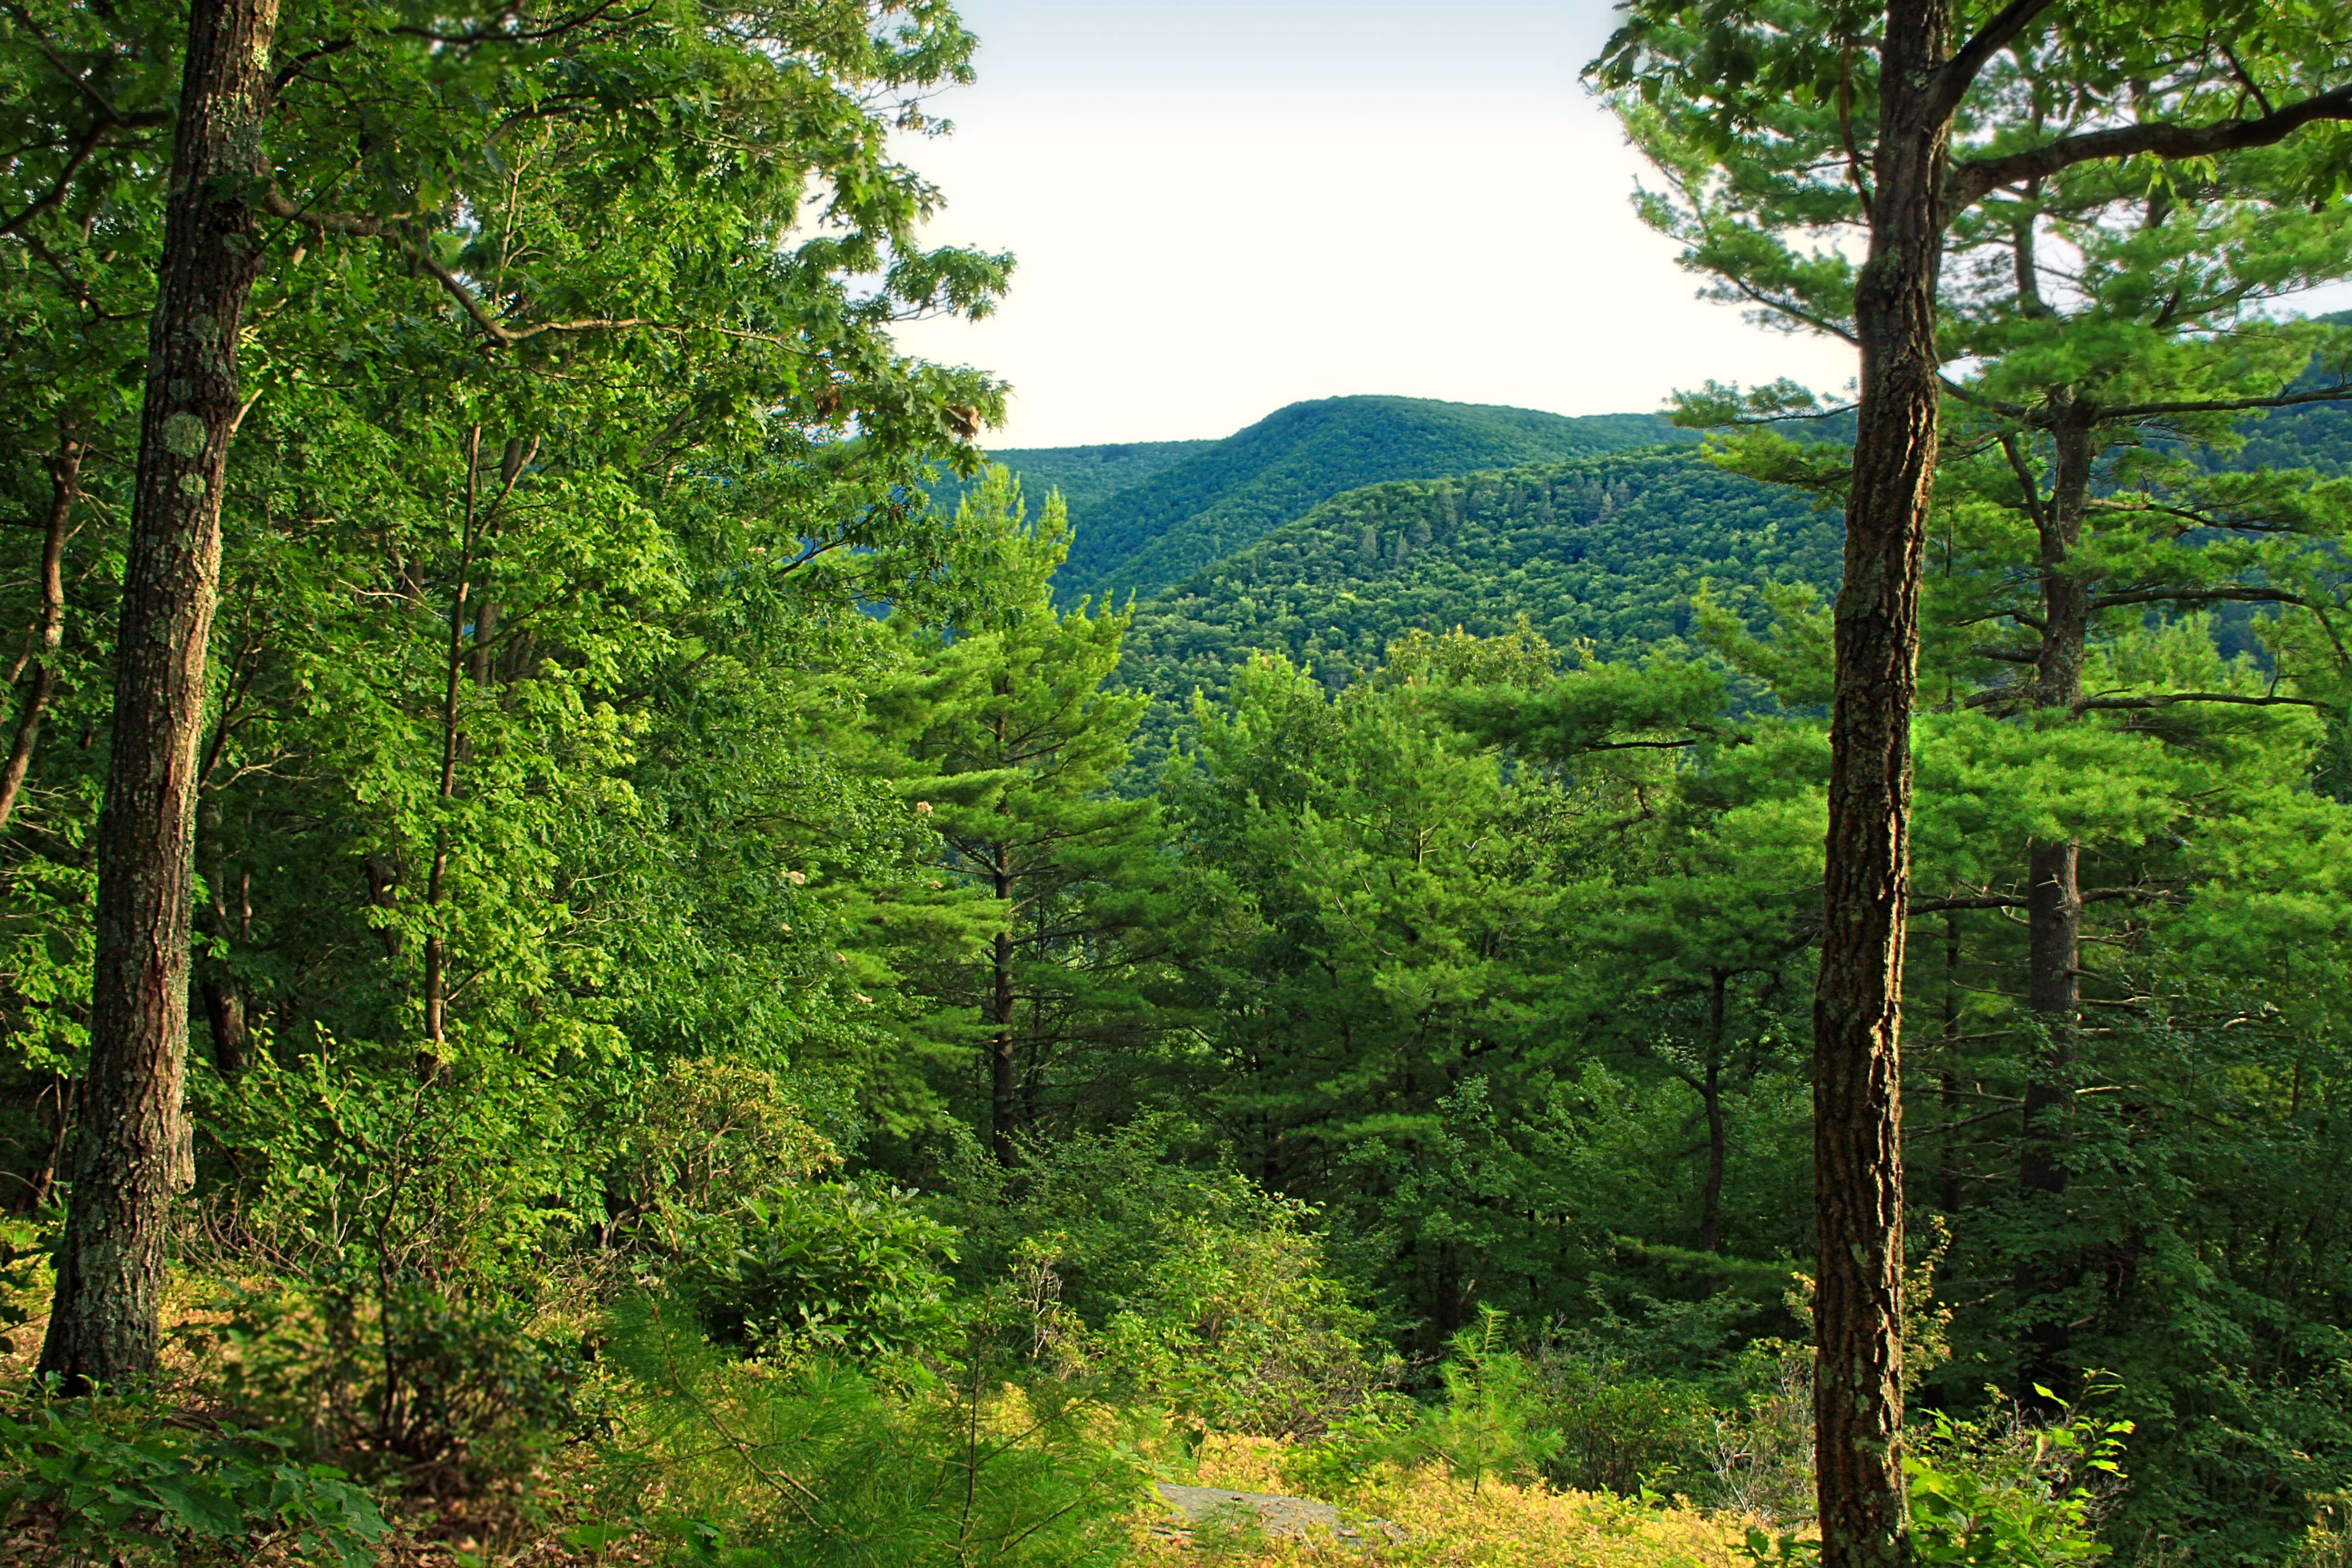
x: 1148, y: 515
x: 1606, y: 550
x: 1082, y: 474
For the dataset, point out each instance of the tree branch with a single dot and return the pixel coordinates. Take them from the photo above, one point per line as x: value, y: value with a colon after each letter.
x: 2340, y: 392
x: 2196, y: 596
x: 2170, y: 699
x: 2149, y: 895
x: 363, y: 226
x: 1971, y: 180
x: 64, y: 182
x: 1959, y: 73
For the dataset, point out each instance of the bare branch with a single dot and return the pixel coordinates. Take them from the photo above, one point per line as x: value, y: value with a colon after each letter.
x: 63, y: 183
x: 2171, y: 699
x: 2027, y: 485
x: 2196, y: 596
x: 2140, y: 895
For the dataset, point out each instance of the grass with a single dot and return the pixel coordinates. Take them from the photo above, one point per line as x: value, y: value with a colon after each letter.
x: 1447, y: 1522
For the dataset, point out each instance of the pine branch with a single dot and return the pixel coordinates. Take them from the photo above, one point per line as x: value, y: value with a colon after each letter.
x: 1972, y: 181
x: 1959, y: 73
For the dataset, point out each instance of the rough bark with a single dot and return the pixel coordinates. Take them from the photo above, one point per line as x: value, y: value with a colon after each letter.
x: 216, y: 986
x: 1857, y: 1005
x: 1948, y: 1079
x: 225, y: 1011
x: 131, y: 1154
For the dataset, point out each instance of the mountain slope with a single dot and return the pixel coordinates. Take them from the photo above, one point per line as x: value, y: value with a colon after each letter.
x: 1219, y: 501
x: 1082, y: 474
x: 1148, y: 514
x: 1604, y: 551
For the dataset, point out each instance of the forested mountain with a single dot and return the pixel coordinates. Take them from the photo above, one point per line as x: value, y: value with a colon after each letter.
x: 1081, y: 474
x: 1172, y: 517
x: 2317, y: 435
x: 1602, y: 555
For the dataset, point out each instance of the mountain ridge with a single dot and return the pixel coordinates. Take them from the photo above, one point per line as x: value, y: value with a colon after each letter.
x: 1603, y: 554
x: 1145, y: 515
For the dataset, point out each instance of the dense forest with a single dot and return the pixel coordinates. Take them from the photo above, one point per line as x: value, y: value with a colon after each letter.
x: 1610, y: 557
x: 618, y: 945
x: 1160, y: 527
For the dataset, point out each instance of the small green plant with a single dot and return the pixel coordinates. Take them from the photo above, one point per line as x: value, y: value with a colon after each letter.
x: 845, y: 1269
x: 443, y: 1391
x: 25, y: 1246
x: 1996, y: 1493
x: 1494, y: 1419
x: 2008, y: 1493
x: 1198, y: 1290
x: 109, y: 1481
x: 1352, y: 1444
x: 745, y: 1464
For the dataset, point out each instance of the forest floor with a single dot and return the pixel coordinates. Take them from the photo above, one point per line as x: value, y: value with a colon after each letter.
x: 1391, y: 1518
x: 1427, y: 1518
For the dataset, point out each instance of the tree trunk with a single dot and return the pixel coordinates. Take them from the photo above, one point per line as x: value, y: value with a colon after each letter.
x: 65, y: 482
x: 436, y: 881
x: 1857, y: 1003
x: 2053, y: 912
x: 224, y: 1010
x: 131, y: 1154
x: 1949, y: 1078
x: 1003, y: 1069
x: 1710, y: 1199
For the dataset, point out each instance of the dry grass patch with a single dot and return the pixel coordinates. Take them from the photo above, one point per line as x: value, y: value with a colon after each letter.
x: 1448, y: 1522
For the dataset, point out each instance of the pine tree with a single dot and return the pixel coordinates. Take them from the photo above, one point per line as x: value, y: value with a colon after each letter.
x: 1770, y: 125
x: 1010, y: 745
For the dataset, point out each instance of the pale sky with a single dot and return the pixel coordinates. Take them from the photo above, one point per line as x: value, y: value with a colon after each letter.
x: 1221, y: 207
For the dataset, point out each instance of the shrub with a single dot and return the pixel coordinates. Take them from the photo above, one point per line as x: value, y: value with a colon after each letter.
x: 1199, y: 1289
x: 106, y: 1481
x: 813, y: 1464
x: 2003, y: 1492
x: 442, y: 1392
x: 2008, y: 1492
x: 1496, y: 1419
x: 706, y: 1135
x: 849, y: 1270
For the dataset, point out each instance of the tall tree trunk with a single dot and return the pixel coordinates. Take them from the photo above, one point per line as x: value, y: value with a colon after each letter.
x: 1003, y: 1067
x: 1710, y: 1197
x: 2054, y: 909
x: 437, y: 883
x: 1947, y: 1077
x: 130, y: 1155
x: 222, y: 997
x: 1857, y: 1002
x: 65, y: 486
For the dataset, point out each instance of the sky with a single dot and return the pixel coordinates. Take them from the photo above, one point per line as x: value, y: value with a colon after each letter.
x: 1221, y: 206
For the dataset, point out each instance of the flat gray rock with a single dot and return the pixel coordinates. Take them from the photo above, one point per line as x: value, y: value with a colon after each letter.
x: 1277, y: 1517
